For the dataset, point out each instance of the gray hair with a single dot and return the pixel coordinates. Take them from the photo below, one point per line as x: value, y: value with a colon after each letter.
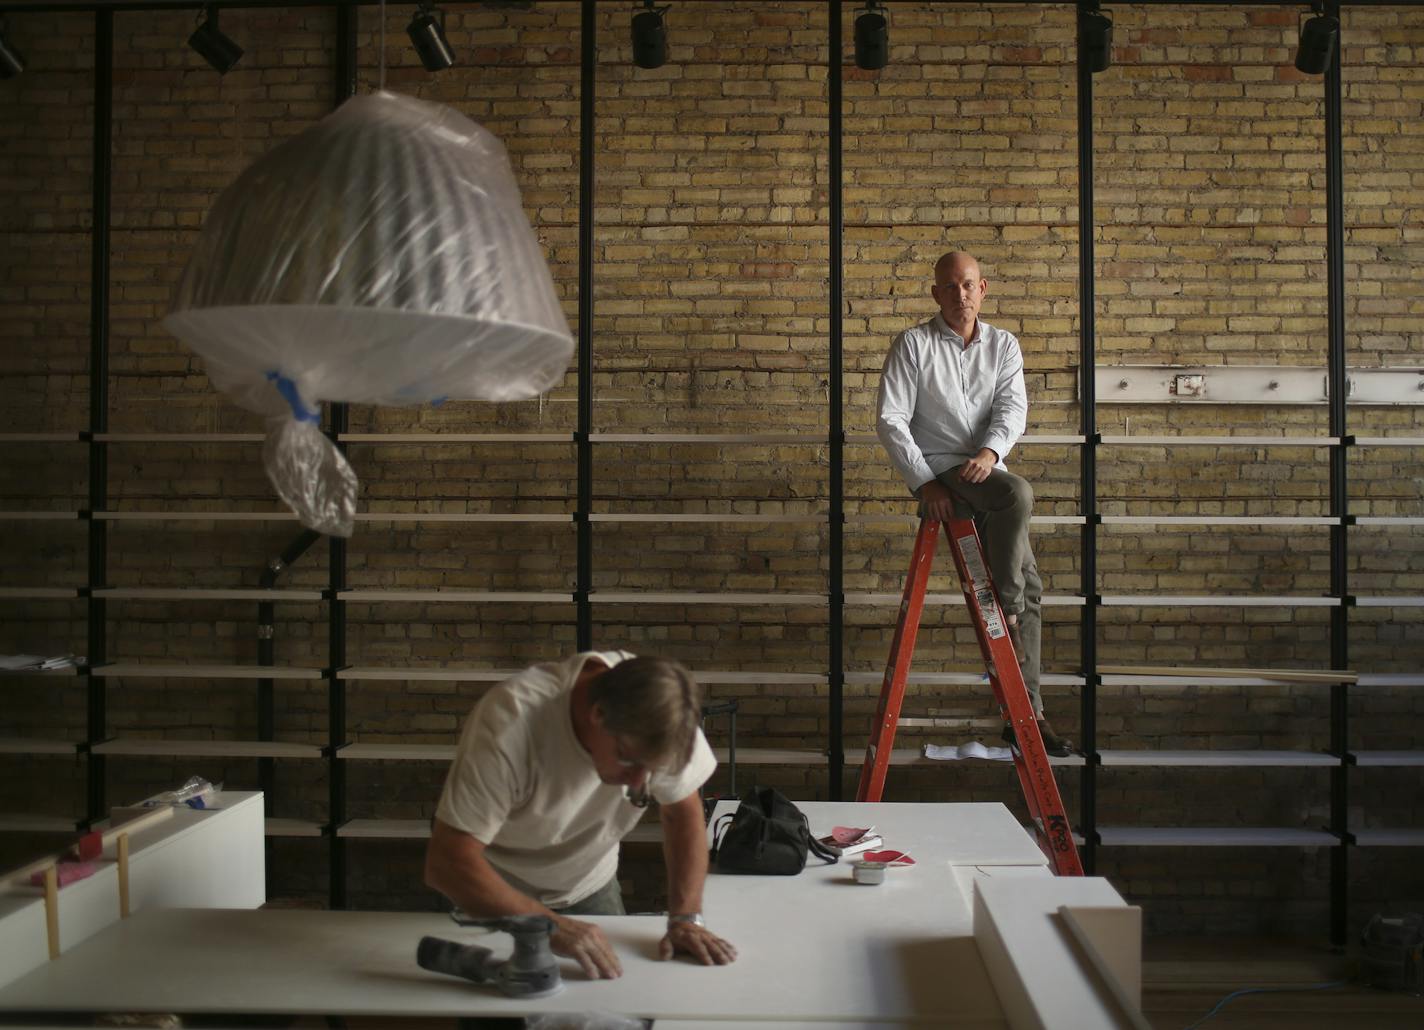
x: 655, y: 703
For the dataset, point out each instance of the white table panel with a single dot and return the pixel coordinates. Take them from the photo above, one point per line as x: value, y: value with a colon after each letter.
x: 363, y: 963
x: 813, y: 949
x: 212, y: 857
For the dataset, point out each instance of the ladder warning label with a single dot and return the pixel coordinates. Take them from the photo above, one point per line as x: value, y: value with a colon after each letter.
x: 989, y: 609
x: 983, y: 592
x: 973, y: 559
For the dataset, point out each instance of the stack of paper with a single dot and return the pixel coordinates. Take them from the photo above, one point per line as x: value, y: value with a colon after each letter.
x: 973, y: 749
x: 851, y: 840
x: 37, y: 663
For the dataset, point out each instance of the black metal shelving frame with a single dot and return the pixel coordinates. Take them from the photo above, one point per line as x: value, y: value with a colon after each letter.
x: 345, y: 85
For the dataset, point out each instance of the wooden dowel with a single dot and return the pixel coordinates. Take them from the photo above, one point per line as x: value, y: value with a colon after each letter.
x: 123, y: 876
x: 51, y: 898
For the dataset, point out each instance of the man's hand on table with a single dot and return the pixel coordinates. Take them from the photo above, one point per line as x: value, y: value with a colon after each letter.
x: 697, y: 941
x: 586, y: 944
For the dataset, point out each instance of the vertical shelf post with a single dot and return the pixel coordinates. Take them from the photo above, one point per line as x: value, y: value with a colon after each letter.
x: 583, y: 577
x: 96, y: 792
x: 1339, y: 488
x: 344, y: 87
x: 835, y: 529
x: 1088, y: 455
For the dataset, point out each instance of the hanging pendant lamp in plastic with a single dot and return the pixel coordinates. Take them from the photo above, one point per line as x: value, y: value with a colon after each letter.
x: 381, y: 257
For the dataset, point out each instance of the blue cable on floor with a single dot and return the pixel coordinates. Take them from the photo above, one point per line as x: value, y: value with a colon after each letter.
x: 1262, y: 990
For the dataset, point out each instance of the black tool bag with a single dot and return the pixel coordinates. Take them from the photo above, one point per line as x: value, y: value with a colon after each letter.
x: 768, y: 835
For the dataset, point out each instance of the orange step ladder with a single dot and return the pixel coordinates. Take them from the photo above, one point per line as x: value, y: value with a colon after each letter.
x: 1040, y: 789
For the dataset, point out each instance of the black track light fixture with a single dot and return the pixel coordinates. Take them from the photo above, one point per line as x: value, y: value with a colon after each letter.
x: 650, y: 37
x: 427, y: 33
x: 214, y: 45
x: 872, y: 38
x: 1319, y: 37
x: 1095, y: 37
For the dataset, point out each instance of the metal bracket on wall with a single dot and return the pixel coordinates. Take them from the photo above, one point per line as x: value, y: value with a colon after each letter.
x: 1251, y: 384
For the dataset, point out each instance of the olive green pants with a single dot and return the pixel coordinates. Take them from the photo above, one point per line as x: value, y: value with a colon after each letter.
x: 1001, y: 506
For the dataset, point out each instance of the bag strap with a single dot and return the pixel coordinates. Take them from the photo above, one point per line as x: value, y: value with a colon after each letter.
x: 719, y: 829
x: 824, y: 851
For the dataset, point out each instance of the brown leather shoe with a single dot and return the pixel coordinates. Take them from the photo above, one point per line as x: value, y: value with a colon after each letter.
x: 1058, y: 747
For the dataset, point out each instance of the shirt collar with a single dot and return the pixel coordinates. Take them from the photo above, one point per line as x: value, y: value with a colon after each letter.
x: 943, y: 327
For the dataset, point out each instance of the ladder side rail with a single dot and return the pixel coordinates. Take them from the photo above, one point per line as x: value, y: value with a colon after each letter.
x: 897, y: 669
x: 1035, y: 772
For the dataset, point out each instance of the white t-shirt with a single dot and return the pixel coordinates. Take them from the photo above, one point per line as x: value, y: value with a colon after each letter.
x: 523, y: 785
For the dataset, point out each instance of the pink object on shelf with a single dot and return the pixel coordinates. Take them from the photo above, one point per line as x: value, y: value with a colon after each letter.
x: 66, y: 872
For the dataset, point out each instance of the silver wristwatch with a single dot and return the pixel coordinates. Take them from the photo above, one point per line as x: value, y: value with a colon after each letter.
x: 695, y: 918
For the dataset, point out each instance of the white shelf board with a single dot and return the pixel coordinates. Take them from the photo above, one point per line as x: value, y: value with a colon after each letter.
x: 178, y: 438
x: 1230, y: 759
x: 195, y: 516
x: 397, y: 752
x: 960, y: 679
x: 1392, y: 679
x: 1389, y: 838
x: 28, y: 746
x: 384, y: 829
x: 504, y: 517
x: 1144, y: 674
x: 443, y: 438
x: 738, y: 438
x: 371, y: 672
x: 772, y: 756
x: 730, y: 519
x: 274, y: 827
x: 878, y: 600
x: 1220, y: 441
x: 1219, y: 520
x: 1214, y: 601
x: 208, y: 748
x: 1388, y: 520
x: 68, y: 670
x: 753, y: 676
x: 1388, y: 759
x: 1213, y: 836
x: 216, y: 672
x: 204, y: 594
x: 37, y: 593
x: 1200, y: 681
x: 39, y: 516
x: 1389, y: 441
x: 454, y: 596
x: 728, y: 598
x: 1390, y: 602
x: 40, y: 437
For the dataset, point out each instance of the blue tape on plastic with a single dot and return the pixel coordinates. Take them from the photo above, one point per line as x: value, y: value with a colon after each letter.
x: 288, y: 390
